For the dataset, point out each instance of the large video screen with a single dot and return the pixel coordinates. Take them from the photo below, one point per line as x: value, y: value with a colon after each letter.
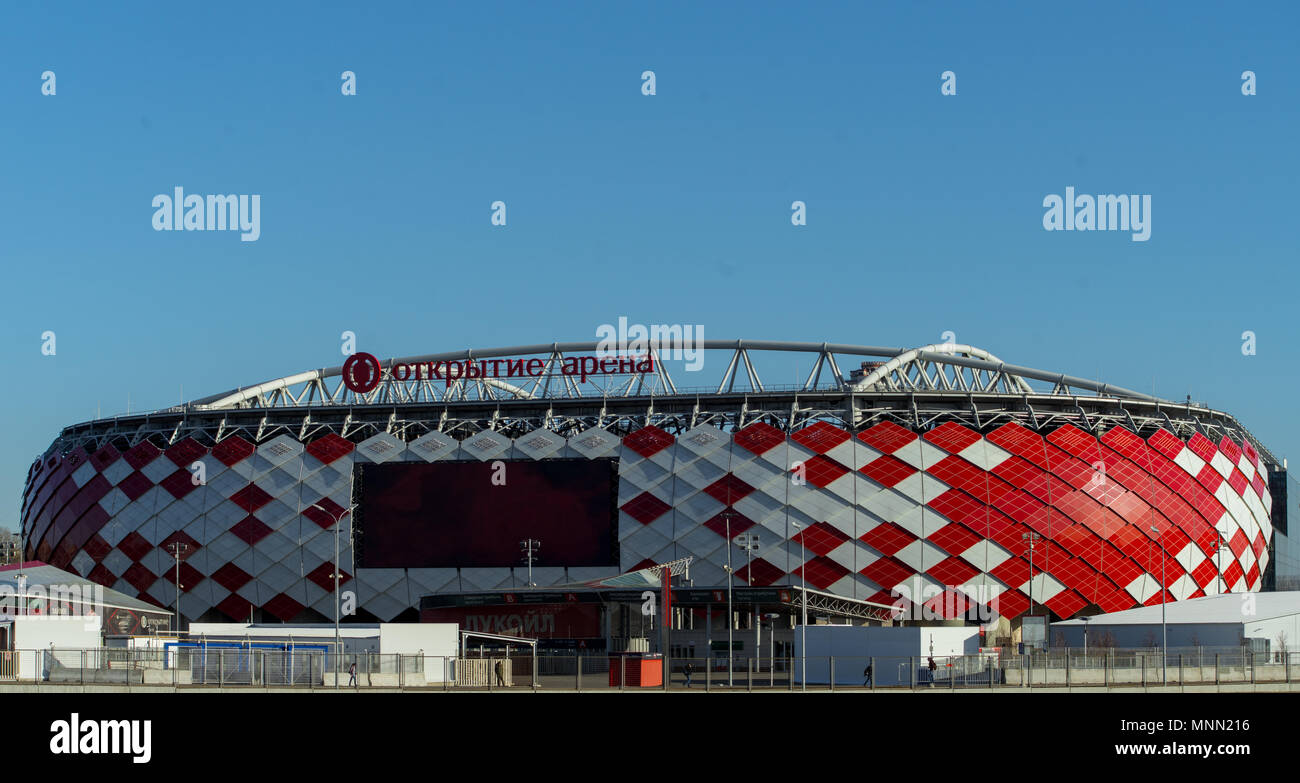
x: 473, y: 515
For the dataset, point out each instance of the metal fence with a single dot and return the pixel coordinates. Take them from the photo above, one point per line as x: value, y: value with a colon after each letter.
x: 198, y: 667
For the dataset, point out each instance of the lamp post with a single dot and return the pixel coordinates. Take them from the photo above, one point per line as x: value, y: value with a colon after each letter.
x: 178, y: 548
x: 336, y: 577
x: 749, y: 543
x: 1031, y: 537
x: 530, y: 546
x: 1164, y: 629
x: 1223, y: 544
x: 803, y: 608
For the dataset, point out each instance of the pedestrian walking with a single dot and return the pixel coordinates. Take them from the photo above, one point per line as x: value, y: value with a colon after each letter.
x: 689, y: 670
x: 499, y: 670
x: 352, y: 674
x: 866, y: 676
x: 932, y: 666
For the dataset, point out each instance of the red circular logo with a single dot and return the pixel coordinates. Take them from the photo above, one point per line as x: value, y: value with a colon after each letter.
x: 361, y: 373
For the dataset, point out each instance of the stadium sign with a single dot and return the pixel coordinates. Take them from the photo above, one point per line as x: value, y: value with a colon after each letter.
x: 362, y: 371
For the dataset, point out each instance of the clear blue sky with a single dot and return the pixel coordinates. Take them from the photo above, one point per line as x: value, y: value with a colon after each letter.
x: 924, y: 212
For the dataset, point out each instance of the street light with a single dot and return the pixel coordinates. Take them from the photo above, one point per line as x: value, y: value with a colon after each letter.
x: 1164, y: 629
x: 731, y: 618
x: 1031, y: 537
x: 530, y: 545
x: 803, y: 607
x: 749, y: 543
x: 336, y: 576
x: 177, y: 548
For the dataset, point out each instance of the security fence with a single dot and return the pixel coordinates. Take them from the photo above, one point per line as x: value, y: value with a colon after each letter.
x: 244, y: 667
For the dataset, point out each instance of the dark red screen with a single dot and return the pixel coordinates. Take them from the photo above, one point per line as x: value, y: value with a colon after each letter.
x: 453, y: 515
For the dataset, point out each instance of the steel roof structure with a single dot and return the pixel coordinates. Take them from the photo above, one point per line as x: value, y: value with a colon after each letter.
x: 919, y: 387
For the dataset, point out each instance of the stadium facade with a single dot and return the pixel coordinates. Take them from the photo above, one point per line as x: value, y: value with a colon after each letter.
x: 941, y: 474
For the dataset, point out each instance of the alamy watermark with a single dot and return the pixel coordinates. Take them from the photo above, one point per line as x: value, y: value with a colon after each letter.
x: 668, y: 341
x: 1106, y: 212
x: 179, y: 212
x: 915, y: 600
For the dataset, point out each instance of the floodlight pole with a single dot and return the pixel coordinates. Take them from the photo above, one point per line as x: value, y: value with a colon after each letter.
x: 803, y: 608
x: 1164, y: 629
x: 530, y: 545
x: 176, y: 548
x: 731, y: 618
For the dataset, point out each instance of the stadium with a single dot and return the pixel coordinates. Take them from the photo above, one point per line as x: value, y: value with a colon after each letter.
x: 938, y: 477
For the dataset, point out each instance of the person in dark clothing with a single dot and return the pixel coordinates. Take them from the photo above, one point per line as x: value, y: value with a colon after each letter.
x: 866, y: 675
x: 499, y: 670
x: 689, y: 670
x: 352, y: 674
x: 933, y: 666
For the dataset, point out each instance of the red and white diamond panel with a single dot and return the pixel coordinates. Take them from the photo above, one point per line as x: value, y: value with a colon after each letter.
x: 886, y: 512
x: 948, y: 513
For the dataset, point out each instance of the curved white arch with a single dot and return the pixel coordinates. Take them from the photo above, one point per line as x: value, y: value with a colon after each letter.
x: 916, y: 356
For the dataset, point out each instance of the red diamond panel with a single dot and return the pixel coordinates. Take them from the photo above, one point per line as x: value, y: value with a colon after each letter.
x: 231, y: 577
x: 821, y: 470
x: 1166, y: 443
x: 324, y: 512
x: 822, y: 572
x: 648, y: 441
x: 887, y: 538
x: 321, y: 577
x: 135, y: 485
x: 887, y: 437
x: 185, y: 451
x: 952, y: 437
x: 739, y: 523
x: 232, y: 450
x: 728, y: 489
x: 1204, y: 573
x: 953, y: 571
x: 106, y: 456
x: 134, y: 546
x: 764, y: 573
x: 330, y: 448
x: 96, y: 547
x: 950, y: 604
x: 190, y: 576
x: 236, y: 607
x: 251, y: 498
x: 1010, y: 604
x: 954, y: 538
x: 251, y: 529
x: 645, y: 508
x: 179, y: 484
x: 887, y: 470
x: 1202, y: 446
x: 283, y: 607
x: 1065, y: 603
x: 102, y: 576
x: 139, y: 577
x: 887, y: 572
x: 759, y: 438
x: 1230, y: 450
x: 1238, y: 482
x: 142, y: 454
x: 820, y: 437
x: 821, y: 538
